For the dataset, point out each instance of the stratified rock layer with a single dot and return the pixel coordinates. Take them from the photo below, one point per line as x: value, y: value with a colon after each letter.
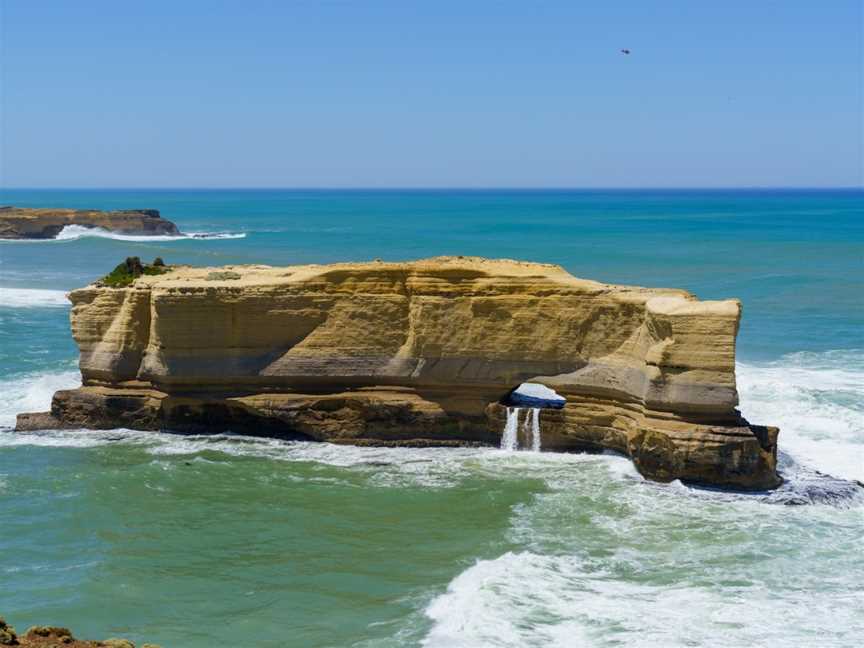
x: 24, y: 223
x: 420, y: 352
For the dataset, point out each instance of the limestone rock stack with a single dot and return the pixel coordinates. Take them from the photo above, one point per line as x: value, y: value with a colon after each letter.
x: 420, y: 352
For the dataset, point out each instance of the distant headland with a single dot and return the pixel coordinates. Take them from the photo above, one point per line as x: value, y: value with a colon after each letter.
x: 29, y: 223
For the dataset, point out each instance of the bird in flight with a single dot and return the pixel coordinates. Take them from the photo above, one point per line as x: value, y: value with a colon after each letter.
x: 625, y: 51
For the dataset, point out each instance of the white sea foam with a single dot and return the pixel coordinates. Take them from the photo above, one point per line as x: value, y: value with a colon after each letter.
x: 76, y: 232
x: 32, y: 393
x: 215, y: 235
x: 525, y: 599
x: 32, y: 298
x: 383, y: 467
x: 817, y: 401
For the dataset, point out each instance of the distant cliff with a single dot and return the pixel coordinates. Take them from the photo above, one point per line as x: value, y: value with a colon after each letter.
x: 425, y: 352
x: 25, y: 223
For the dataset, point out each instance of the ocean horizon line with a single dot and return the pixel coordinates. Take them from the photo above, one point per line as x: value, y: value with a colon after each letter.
x: 418, y: 189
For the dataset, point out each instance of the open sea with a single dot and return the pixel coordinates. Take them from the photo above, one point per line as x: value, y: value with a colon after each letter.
x: 225, y: 540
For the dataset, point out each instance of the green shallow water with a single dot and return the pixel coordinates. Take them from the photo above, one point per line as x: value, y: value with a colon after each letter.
x: 194, y: 541
x: 290, y: 552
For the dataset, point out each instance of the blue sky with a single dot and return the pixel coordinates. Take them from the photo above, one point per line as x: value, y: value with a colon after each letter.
x: 431, y: 94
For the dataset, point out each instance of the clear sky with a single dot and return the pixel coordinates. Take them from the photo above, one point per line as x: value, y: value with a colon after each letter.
x: 251, y: 93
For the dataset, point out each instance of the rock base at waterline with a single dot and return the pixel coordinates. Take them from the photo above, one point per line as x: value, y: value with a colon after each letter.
x: 425, y: 352
x: 741, y: 456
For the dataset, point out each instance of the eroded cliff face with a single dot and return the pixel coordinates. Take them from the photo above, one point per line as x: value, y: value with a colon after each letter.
x: 420, y: 352
x: 25, y: 223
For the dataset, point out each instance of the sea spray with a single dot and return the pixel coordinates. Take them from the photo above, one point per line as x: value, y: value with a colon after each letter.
x: 32, y: 392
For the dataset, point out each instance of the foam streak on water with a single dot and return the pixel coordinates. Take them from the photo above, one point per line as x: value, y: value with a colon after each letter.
x: 76, y: 232
x: 32, y: 298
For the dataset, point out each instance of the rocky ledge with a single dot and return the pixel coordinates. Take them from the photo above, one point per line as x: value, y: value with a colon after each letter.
x: 25, y: 223
x: 426, y: 352
x: 56, y: 637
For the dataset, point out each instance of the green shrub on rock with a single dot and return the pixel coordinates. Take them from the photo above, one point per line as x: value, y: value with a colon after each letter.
x: 127, y: 272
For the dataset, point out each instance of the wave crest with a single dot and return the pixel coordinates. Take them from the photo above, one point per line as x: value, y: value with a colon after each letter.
x: 76, y: 232
x: 525, y: 599
x: 32, y: 393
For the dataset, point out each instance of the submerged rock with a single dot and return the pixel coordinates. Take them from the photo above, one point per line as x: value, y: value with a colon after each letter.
x: 27, y: 223
x: 425, y: 352
x: 805, y: 486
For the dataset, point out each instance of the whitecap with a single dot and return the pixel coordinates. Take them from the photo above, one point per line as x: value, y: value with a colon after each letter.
x: 215, y: 235
x: 32, y: 298
x: 77, y: 232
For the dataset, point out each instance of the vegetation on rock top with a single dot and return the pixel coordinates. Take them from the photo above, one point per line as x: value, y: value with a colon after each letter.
x: 127, y: 272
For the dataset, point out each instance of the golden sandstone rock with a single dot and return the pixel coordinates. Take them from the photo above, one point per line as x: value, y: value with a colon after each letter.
x: 25, y: 223
x: 419, y: 353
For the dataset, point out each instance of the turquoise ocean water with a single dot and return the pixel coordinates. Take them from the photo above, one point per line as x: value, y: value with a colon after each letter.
x: 200, y: 541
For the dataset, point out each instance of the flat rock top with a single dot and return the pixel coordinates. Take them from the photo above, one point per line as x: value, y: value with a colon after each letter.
x: 32, y: 213
x: 453, y: 270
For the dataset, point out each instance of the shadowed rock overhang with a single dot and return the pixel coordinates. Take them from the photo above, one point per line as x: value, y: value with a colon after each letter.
x: 424, y: 352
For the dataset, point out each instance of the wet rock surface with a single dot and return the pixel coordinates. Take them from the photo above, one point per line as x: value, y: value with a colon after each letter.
x: 804, y: 486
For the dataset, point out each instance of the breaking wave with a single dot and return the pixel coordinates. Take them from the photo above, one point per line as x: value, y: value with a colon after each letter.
x: 523, y: 599
x: 817, y: 401
x: 32, y: 393
x: 76, y: 232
